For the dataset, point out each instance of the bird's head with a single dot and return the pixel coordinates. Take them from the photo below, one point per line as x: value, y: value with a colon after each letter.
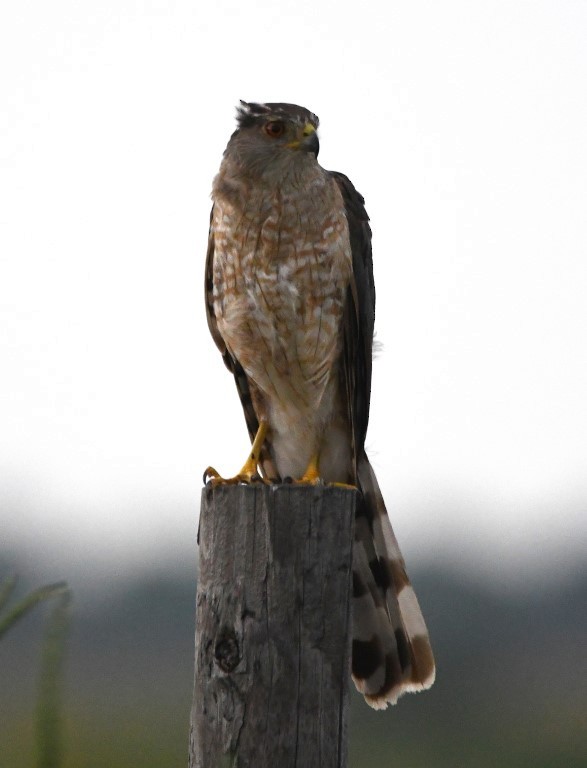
x: 271, y: 136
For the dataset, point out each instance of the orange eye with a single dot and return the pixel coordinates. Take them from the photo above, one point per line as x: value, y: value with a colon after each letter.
x: 275, y: 129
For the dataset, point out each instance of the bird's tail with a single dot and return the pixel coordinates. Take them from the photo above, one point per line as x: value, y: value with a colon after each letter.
x: 391, y: 647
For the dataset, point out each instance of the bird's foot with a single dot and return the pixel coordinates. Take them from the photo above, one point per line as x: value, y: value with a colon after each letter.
x: 250, y: 470
x: 312, y: 477
x: 346, y: 486
x: 245, y: 477
x: 315, y: 481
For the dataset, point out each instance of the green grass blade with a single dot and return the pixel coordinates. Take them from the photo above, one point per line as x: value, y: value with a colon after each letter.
x: 49, y: 725
x: 29, y: 602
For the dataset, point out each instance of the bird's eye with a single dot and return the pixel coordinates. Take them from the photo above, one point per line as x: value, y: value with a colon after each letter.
x: 274, y: 128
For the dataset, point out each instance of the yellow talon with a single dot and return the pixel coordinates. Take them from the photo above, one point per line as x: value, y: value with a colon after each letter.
x: 347, y: 486
x: 250, y: 469
x: 311, y: 476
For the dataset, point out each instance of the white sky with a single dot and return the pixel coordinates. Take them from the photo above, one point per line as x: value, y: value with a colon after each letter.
x: 462, y: 123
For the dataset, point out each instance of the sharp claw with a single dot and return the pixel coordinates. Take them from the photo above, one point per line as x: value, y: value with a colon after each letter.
x: 209, y: 474
x: 313, y: 481
x: 250, y: 470
x: 212, y: 477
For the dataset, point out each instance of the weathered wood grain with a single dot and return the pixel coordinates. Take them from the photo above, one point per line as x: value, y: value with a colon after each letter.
x: 273, y: 627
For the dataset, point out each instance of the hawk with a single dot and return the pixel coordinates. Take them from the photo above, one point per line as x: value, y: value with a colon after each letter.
x: 290, y: 301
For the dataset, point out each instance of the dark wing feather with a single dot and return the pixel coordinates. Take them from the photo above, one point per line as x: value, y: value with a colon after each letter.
x: 359, y: 317
x: 391, y: 648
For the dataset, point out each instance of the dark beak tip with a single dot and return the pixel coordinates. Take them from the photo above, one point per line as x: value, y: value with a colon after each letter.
x: 312, y: 144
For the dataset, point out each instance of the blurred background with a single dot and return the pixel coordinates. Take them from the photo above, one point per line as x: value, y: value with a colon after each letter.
x: 463, y: 125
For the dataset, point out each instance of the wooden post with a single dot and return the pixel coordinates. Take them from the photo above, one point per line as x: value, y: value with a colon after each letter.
x: 273, y: 627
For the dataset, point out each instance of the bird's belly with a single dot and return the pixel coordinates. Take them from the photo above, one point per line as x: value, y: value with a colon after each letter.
x: 279, y: 305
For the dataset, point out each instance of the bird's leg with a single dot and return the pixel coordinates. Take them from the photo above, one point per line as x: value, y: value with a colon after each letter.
x: 250, y: 469
x: 312, y: 476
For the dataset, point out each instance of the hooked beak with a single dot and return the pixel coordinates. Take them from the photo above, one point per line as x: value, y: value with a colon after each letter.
x: 308, y: 141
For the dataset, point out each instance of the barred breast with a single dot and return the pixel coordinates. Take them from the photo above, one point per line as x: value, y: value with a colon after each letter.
x: 282, y: 265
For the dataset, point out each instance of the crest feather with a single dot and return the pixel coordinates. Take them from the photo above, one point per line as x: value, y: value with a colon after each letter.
x: 249, y: 113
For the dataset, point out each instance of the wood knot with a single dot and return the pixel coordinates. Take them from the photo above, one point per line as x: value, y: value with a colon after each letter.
x: 226, y: 651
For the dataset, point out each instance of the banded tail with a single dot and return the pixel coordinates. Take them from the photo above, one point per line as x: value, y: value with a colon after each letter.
x: 391, y: 648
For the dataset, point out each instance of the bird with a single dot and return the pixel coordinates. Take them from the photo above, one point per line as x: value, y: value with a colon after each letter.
x: 290, y: 304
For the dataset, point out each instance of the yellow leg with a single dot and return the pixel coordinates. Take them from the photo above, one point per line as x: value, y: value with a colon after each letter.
x: 312, y: 476
x: 250, y: 469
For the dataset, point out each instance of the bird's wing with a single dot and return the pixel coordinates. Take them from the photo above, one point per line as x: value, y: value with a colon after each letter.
x: 359, y: 317
x: 391, y: 648
x: 233, y: 365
